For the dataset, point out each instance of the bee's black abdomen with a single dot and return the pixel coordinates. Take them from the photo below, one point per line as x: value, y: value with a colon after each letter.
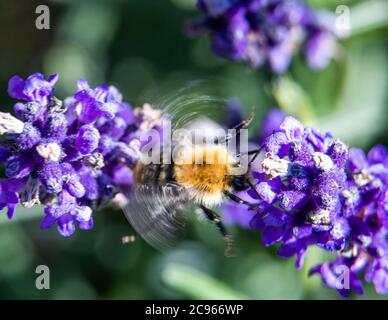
x: 154, y: 174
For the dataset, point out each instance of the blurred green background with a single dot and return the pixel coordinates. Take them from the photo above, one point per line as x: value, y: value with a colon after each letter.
x: 140, y: 47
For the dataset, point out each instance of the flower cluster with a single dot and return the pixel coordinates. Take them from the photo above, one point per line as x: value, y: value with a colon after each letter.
x: 365, y: 206
x: 267, y: 31
x: 310, y: 189
x: 70, y: 156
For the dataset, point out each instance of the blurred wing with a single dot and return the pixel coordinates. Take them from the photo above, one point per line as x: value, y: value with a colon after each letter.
x: 191, y: 102
x: 152, y: 212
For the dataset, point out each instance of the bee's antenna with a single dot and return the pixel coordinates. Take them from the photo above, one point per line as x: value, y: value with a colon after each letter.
x: 242, y: 125
x: 245, y: 123
x: 128, y: 239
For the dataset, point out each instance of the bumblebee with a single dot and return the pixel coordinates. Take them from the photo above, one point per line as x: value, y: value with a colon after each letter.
x: 163, y: 190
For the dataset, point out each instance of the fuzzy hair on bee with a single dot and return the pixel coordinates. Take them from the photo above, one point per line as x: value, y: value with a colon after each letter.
x: 204, y: 171
x: 208, y: 173
x: 200, y: 175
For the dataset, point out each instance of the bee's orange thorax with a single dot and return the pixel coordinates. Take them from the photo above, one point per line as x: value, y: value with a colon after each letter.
x: 207, y: 176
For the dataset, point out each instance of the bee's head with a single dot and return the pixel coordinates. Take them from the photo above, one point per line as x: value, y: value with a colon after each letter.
x: 240, y: 183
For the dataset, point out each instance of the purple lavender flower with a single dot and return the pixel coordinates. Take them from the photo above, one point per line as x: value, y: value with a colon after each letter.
x: 305, y: 183
x: 312, y: 190
x: 258, y: 32
x: 235, y: 213
x: 365, y: 203
x: 34, y: 89
x: 72, y: 157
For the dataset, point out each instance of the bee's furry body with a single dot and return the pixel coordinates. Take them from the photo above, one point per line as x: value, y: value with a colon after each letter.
x: 204, y: 183
x: 203, y: 175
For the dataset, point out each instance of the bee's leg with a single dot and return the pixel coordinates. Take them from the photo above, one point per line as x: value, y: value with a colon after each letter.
x: 237, y: 199
x: 213, y: 217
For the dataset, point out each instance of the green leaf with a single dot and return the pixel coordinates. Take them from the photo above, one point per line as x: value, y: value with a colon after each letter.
x: 197, y: 285
x: 368, y: 16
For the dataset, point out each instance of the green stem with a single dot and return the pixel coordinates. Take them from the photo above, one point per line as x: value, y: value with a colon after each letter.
x: 197, y: 285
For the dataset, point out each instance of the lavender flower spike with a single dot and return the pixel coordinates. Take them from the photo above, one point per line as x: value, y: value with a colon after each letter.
x: 313, y: 190
x: 70, y: 156
x: 266, y: 32
x: 365, y: 205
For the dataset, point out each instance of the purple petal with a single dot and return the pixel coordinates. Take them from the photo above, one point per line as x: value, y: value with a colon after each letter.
x: 82, y: 213
x: 56, y: 126
x: 11, y: 210
x: 339, y: 153
x: 266, y: 193
x: 357, y: 160
x: 50, y: 175
x: 271, y: 122
x: 47, y: 221
x: 292, y: 128
x: 122, y: 175
x: 320, y: 48
x: 29, y: 137
x: 66, y: 227
x: 380, y: 280
x: 277, y: 143
x: 292, y: 199
x: 280, y: 58
x: 86, y: 225
x: 87, y: 139
x: 75, y: 187
x: 300, y: 259
x: 272, y: 234
x: 377, y: 154
x: 18, y: 166
x: 15, y: 88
